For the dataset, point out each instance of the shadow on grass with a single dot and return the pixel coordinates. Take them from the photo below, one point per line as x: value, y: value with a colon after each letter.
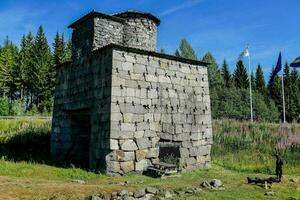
x: 29, y: 147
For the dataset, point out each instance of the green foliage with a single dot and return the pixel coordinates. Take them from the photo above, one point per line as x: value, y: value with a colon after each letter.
x: 240, y: 76
x: 185, y: 50
x: 214, y: 74
x: 4, y: 106
x: 16, y: 108
x: 226, y: 74
x: 260, y: 84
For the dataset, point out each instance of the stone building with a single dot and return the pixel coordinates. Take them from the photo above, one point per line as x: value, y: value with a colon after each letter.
x: 121, y: 107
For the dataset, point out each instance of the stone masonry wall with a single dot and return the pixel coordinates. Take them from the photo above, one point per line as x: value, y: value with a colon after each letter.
x: 97, y: 32
x: 84, y: 89
x: 153, y: 100
x: 107, y: 32
x: 140, y: 33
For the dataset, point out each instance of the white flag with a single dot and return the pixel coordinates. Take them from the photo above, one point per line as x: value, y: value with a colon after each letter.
x: 245, y: 53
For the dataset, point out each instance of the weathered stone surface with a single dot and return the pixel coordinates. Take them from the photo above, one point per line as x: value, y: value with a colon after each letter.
x: 127, y: 166
x: 129, y: 145
x: 125, y: 156
x: 152, y: 190
x: 141, y: 165
x: 140, y: 193
x: 140, y: 154
x: 143, y: 143
x: 113, y: 166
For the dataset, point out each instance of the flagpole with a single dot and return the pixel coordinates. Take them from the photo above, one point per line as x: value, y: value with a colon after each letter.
x: 250, y: 86
x: 283, y: 97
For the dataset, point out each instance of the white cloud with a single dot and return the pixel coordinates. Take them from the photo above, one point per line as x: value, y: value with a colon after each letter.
x: 186, y: 4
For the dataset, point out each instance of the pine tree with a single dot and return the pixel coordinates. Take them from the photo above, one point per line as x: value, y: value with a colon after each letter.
x: 214, y: 74
x: 275, y: 92
x: 185, y: 50
x: 226, y: 74
x: 240, y: 76
x: 9, y: 70
x: 68, y: 50
x: 25, y: 63
x: 294, y: 95
x: 45, y: 71
x: 59, y: 53
x: 260, y: 84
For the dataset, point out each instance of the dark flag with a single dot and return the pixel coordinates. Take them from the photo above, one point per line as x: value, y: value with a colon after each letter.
x: 296, y: 62
x: 276, y: 70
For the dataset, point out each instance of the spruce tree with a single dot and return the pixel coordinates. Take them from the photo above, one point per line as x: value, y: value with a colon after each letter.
x: 214, y: 74
x: 260, y: 84
x: 68, y: 50
x: 226, y: 74
x: 275, y: 92
x: 185, y: 50
x: 27, y: 71
x: 240, y: 76
x: 59, y: 53
x: 293, y: 96
x: 9, y: 71
x: 45, y: 72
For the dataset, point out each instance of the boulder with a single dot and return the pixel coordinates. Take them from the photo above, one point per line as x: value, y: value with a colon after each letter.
x: 216, y: 183
x: 151, y: 190
x: 139, y: 193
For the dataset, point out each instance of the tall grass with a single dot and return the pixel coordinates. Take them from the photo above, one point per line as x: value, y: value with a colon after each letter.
x: 246, y: 146
x: 25, y: 139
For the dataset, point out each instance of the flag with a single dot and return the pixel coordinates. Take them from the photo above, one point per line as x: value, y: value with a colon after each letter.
x: 276, y: 70
x: 296, y: 62
x: 245, y: 53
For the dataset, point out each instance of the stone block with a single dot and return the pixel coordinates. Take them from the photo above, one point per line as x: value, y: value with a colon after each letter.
x: 129, y: 145
x: 127, y: 166
x: 113, y: 167
x: 114, y: 144
x: 140, y: 154
x: 125, y: 156
x: 127, y: 127
x: 142, y: 165
x: 143, y: 143
x: 138, y: 134
x: 152, y: 153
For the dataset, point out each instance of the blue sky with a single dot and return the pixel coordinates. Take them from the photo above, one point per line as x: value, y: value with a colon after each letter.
x: 223, y: 27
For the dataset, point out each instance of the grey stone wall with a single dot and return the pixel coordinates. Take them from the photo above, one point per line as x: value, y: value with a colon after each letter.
x: 98, y: 31
x: 156, y: 99
x: 83, y: 39
x: 140, y: 33
x: 83, y: 91
x: 107, y: 32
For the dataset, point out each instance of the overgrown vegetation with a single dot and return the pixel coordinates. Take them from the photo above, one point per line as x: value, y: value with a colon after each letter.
x: 250, y: 147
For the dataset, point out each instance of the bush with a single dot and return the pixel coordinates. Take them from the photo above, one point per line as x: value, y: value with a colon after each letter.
x: 4, y: 106
x: 16, y: 108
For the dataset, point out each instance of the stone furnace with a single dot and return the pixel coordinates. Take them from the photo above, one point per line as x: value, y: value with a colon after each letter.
x: 120, y: 106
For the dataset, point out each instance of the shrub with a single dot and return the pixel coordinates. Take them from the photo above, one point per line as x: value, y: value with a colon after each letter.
x: 4, y: 106
x: 16, y: 108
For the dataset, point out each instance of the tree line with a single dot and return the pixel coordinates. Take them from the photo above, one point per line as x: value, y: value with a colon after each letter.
x: 230, y: 91
x: 27, y: 73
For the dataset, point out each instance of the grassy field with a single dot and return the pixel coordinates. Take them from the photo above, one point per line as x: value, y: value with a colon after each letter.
x: 241, y: 149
